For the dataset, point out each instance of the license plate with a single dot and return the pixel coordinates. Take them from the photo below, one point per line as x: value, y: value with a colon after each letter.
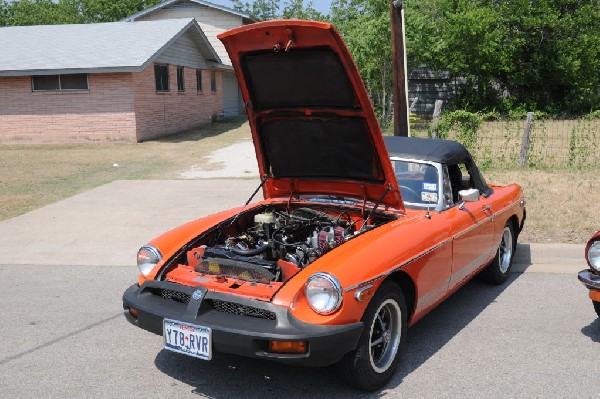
x: 188, y: 339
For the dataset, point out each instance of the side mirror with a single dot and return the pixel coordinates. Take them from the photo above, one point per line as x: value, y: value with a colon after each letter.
x: 470, y: 195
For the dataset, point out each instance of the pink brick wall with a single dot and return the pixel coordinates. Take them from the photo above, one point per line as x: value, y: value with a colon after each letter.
x: 117, y: 107
x: 104, y: 113
x: 160, y: 114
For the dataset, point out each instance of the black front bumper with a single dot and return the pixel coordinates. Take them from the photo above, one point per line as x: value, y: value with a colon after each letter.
x: 239, y: 326
x: 589, y: 279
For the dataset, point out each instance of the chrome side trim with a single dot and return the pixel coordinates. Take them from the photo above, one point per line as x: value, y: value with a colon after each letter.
x: 430, y: 250
x: 489, y: 218
x: 462, y: 233
x: 508, y: 208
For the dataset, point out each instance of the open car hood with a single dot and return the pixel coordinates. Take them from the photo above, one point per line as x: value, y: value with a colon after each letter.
x: 313, y: 126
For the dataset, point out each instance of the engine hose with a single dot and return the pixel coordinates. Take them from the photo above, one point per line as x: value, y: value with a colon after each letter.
x: 250, y: 252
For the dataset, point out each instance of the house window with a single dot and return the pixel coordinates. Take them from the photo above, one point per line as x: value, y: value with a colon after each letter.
x: 180, y: 84
x: 78, y: 81
x: 199, y: 79
x: 161, y: 75
x: 213, y: 81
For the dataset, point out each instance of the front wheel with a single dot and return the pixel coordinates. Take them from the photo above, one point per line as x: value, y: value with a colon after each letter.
x: 371, y: 365
x: 497, y: 271
x: 597, y: 307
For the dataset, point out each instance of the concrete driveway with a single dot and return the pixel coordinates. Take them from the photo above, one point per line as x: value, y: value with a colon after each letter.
x: 64, y: 267
x: 107, y: 225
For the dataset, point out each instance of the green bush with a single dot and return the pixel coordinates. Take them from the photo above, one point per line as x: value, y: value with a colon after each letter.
x: 461, y: 126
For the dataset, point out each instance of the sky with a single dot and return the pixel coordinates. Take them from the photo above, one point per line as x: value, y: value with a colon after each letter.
x: 320, y: 5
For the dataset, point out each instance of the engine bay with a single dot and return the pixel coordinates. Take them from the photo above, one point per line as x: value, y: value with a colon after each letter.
x: 269, y: 244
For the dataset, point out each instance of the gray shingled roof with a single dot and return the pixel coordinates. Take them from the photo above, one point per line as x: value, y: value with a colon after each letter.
x: 91, y: 48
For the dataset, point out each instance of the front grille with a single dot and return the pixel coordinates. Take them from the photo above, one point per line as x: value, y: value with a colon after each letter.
x: 172, y: 295
x: 241, y: 310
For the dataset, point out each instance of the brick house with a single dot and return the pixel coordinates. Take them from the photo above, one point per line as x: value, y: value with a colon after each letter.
x: 213, y: 19
x: 115, y: 81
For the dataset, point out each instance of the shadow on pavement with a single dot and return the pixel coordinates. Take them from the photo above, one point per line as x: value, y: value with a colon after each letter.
x: 232, y: 376
x: 522, y: 259
x: 592, y: 330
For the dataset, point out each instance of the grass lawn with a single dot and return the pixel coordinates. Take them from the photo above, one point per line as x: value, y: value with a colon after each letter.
x: 560, y: 204
x: 32, y: 176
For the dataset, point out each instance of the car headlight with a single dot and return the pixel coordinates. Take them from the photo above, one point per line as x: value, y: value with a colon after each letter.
x: 147, y: 257
x: 323, y: 293
x: 593, y: 255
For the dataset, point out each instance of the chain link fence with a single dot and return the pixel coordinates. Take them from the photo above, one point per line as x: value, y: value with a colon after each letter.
x: 552, y: 144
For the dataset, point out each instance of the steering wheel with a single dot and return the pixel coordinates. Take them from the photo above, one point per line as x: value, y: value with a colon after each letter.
x: 412, y: 196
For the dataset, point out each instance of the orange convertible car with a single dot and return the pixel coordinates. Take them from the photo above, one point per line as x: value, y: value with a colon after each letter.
x: 356, y: 239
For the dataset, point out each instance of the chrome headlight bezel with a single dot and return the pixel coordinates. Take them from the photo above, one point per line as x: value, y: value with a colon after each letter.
x: 148, y: 257
x: 592, y: 255
x: 323, y: 293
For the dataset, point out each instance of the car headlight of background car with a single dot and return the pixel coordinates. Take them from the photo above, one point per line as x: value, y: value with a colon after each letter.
x: 148, y: 256
x: 593, y: 255
x: 323, y: 293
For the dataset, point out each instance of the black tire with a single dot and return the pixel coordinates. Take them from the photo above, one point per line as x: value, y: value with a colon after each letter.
x: 497, y: 272
x: 597, y: 307
x: 372, y: 364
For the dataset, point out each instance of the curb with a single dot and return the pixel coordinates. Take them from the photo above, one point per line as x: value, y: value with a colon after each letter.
x: 549, y: 258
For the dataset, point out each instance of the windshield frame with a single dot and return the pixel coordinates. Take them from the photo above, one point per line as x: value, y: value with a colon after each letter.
x: 440, y: 205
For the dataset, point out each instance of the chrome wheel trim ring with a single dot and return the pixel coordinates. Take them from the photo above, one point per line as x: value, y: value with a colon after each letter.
x: 505, y: 250
x: 384, y: 335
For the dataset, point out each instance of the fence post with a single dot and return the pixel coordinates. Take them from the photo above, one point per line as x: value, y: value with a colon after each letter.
x: 526, y: 139
x: 413, y: 104
x: 437, y: 112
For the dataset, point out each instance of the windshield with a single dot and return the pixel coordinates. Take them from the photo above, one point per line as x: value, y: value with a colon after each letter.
x: 419, y: 183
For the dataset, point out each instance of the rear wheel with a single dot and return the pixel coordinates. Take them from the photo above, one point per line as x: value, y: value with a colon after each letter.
x: 497, y: 271
x: 371, y: 365
x: 597, y: 307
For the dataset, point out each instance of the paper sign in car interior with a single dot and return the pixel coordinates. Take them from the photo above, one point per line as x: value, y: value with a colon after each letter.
x: 428, y: 197
x: 429, y: 186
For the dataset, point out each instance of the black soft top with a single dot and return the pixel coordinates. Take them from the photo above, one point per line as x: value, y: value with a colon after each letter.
x: 435, y: 150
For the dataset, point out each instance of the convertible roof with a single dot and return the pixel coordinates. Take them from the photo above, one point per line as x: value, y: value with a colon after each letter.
x: 435, y: 150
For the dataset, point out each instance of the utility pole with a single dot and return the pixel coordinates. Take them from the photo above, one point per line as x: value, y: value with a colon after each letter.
x: 400, y: 84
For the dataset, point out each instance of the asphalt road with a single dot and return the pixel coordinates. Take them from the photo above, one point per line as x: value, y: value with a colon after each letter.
x: 63, y: 334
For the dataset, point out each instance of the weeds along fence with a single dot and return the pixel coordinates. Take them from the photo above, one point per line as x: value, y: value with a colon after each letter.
x: 543, y: 143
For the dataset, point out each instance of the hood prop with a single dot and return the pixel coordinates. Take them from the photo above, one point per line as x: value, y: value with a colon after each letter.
x: 263, y: 180
x: 387, y: 190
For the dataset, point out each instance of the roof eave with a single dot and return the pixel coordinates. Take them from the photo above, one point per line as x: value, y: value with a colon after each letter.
x: 65, y: 71
x: 133, y: 17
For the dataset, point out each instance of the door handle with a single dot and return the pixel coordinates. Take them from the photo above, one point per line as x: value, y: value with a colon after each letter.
x: 486, y: 208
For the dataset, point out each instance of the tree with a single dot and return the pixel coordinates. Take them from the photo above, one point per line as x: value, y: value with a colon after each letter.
x: 525, y: 54
x: 264, y: 10
x: 109, y: 10
x: 38, y: 12
x: 295, y: 9
x: 365, y: 26
x: 47, y: 12
x: 3, y: 12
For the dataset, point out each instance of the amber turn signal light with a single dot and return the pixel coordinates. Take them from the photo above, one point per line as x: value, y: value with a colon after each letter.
x: 288, y: 346
x: 133, y: 312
